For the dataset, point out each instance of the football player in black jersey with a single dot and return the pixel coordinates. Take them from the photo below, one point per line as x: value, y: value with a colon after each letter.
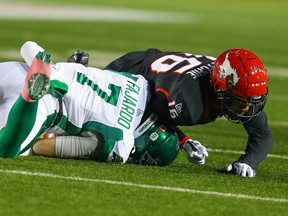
x: 191, y: 89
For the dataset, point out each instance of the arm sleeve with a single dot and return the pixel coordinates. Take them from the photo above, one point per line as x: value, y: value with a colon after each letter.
x: 182, y: 137
x: 260, y: 141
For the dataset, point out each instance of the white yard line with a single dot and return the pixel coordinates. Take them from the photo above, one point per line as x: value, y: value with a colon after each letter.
x: 157, y: 187
x: 282, y: 72
x: 37, y: 11
x: 285, y: 157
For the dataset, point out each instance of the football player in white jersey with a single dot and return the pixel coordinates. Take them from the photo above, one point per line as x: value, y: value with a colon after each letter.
x: 89, y: 105
x: 12, y: 75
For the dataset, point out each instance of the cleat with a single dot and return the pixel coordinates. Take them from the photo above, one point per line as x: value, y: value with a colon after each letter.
x: 37, y: 81
x: 38, y: 86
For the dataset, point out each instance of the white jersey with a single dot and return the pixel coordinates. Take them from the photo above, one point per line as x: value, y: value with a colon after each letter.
x: 103, y: 102
x: 12, y: 75
x: 106, y: 103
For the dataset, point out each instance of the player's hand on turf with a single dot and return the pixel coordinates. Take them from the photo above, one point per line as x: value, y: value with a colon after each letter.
x: 79, y: 57
x: 196, y: 153
x: 241, y: 169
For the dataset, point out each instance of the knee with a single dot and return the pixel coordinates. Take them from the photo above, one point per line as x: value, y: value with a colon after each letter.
x: 44, y: 147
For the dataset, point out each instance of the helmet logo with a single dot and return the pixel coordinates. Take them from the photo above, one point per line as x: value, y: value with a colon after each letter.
x: 178, y: 107
x: 154, y: 136
x: 227, y: 70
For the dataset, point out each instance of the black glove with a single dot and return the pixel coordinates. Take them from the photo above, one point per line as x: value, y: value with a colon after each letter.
x: 79, y: 57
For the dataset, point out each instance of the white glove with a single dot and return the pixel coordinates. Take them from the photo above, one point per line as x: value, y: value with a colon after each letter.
x: 241, y: 169
x: 196, y: 152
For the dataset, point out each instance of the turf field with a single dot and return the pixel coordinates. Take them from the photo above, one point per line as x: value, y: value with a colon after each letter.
x: 105, y: 29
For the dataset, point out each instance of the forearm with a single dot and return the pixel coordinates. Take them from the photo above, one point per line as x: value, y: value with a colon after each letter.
x: 181, y: 136
x: 259, y: 143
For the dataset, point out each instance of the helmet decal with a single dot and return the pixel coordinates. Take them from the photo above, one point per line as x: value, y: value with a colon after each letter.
x: 227, y: 70
x: 178, y: 107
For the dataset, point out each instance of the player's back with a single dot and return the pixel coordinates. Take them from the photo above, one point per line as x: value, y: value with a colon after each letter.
x: 108, y: 98
x: 164, y: 69
x: 183, y: 78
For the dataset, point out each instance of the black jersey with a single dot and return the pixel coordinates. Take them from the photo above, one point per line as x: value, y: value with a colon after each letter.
x: 180, y: 83
x: 182, y: 94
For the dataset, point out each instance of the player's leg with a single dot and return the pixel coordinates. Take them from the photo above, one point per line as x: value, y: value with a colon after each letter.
x: 68, y: 147
x: 24, y: 117
x: 12, y: 75
x: 37, y: 80
x: 44, y: 147
x: 20, y: 122
x: 25, y: 123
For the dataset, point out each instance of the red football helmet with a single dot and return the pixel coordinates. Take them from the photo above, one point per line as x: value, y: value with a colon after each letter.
x: 239, y: 79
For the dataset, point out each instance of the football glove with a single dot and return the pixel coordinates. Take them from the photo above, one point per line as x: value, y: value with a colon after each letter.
x: 241, y: 169
x: 196, y: 153
x: 79, y: 57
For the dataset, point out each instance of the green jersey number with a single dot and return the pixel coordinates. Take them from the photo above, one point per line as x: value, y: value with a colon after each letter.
x: 115, y: 90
